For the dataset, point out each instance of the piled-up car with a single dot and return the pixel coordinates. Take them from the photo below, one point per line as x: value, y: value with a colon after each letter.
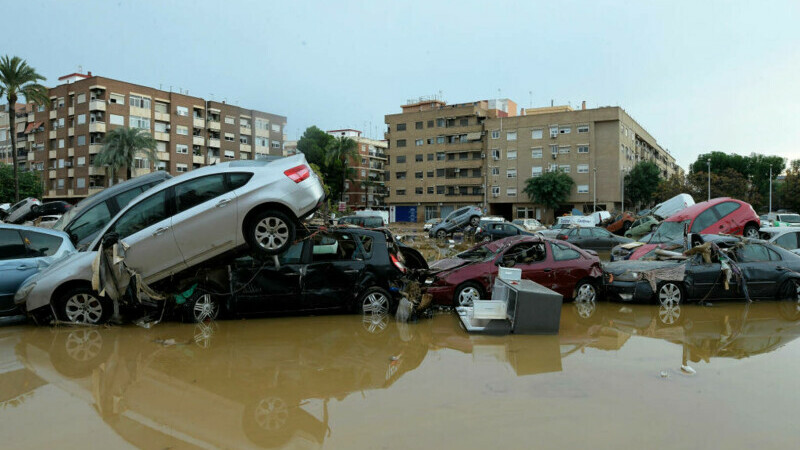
x: 468, y: 216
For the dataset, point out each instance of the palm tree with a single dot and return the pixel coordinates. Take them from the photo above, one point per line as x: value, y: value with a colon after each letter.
x: 121, y: 146
x: 342, y: 149
x: 17, y: 79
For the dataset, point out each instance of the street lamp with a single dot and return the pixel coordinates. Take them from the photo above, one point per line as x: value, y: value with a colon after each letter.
x: 770, y: 188
x: 594, y: 191
x: 623, y: 172
x: 708, y: 161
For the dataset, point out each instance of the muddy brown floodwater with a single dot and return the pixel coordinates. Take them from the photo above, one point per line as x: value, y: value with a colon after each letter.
x: 612, y: 378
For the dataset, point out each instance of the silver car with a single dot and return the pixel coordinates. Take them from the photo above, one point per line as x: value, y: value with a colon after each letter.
x: 456, y: 220
x: 786, y: 237
x: 181, y: 223
x: 16, y: 213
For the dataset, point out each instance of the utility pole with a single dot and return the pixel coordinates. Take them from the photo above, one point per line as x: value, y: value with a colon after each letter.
x: 708, y: 161
x: 623, y: 189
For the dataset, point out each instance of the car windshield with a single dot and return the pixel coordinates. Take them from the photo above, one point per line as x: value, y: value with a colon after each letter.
x: 481, y: 253
x: 790, y: 218
x: 668, y: 232
x: 62, y: 222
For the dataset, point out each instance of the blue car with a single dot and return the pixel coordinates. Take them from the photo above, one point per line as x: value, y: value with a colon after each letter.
x: 23, y: 252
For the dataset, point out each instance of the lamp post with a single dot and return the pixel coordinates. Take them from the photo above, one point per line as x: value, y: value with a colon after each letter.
x: 708, y: 161
x: 594, y: 192
x: 624, y: 172
x: 770, y: 188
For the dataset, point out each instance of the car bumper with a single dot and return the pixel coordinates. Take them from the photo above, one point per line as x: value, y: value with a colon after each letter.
x: 628, y: 291
x: 440, y: 295
x: 306, y: 198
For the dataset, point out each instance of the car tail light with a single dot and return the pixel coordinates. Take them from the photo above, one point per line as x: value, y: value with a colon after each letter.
x: 298, y: 174
x: 562, y: 237
x: 400, y: 266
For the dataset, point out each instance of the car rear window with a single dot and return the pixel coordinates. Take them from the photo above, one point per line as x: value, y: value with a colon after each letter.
x: 11, y: 245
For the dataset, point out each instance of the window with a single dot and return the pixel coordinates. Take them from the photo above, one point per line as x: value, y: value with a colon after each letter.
x: 704, y: 220
x: 244, y: 139
x: 418, y: 191
x: 440, y: 190
x: 181, y: 168
x: 536, y: 153
x: 60, y: 143
x: 399, y: 175
x: 400, y: 192
x: 600, y: 232
x: 91, y: 221
x: 334, y: 247
x: 554, y: 131
x: 511, y: 154
x: 564, y: 149
x: 583, y: 149
x: 276, y: 127
x: 401, y: 127
x: 81, y: 161
x: 439, y: 172
x: 418, y: 158
x: 182, y: 111
x: 564, y: 168
x: 756, y: 253
x: 229, y: 137
x: 419, y: 142
x: 115, y: 119
x: 430, y: 124
x: 725, y: 208
x: 81, y: 98
x: 418, y: 125
x: 11, y: 245
x: 563, y: 253
x: 554, y: 150
x: 82, y: 139
x: 182, y: 130
x: 440, y: 139
x: 141, y: 163
x: 161, y: 146
x: 401, y: 159
x: 511, y: 173
x: 536, y: 171
x: 583, y: 128
x: 160, y: 127
x: 564, y: 130
x: 495, y: 154
x: 788, y: 241
x: 430, y: 156
x: 495, y: 170
x: 511, y: 192
x: 116, y: 99
x: 230, y: 120
x: 511, y: 136
x: 262, y: 124
x: 495, y: 134
x: 144, y: 214
x: 139, y: 122
x: 440, y: 156
x: 583, y: 189
x: 162, y: 108
x: 182, y: 149
x: 80, y: 183
x: 429, y: 174
x: 439, y: 123
x: 401, y: 143
x: 139, y: 102
x: 463, y: 122
x: 199, y: 190
x: 61, y: 123
x: 81, y: 119
x: 262, y: 141
x: 430, y: 189
x: 583, y: 168
x: 418, y: 175
x: 536, y: 134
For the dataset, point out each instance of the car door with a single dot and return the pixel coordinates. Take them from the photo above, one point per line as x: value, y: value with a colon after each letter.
x: 262, y: 287
x: 789, y: 241
x: 565, y: 271
x: 727, y: 221
x: 704, y: 280
x: 759, y: 265
x: 16, y: 265
x: 205, y: 220
x: 509, y: 230
x: 581, y: 237
x: 703, y: 223
x: 531, y: 258
x: 145, y: 229
x: 602, y: 239
x: 331, y: 277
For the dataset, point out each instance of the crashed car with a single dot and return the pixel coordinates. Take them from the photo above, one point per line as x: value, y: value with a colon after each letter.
x: 16, y: 214
x: 767, y: 272
x: 529, y: 224
x: 642, y: 226
x: 620, y: 223
x: 786, y: 237
x: 560, y: 266
x: 456, y: 220
x: 180, y: 224
x: 490, y: 231
x: 592, y: 238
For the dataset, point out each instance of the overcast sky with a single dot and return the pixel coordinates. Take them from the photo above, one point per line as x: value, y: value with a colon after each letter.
x: 699, y: 76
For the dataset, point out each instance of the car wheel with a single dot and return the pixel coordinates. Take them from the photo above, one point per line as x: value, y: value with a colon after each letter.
x: 751, y: 232
x: 85, y: 306
x: 585, y: 292
x: 669, y: 294
x: 653, y: 228
x: 441, y: 234
x: 35, y: 209
x: 474, y: 221
x: 271, y: 232
x: 375, y: 301
x: 201, y: 307
x: 467, y: 293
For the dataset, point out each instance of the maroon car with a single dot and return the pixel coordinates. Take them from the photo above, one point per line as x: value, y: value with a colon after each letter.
x: 560, y: 266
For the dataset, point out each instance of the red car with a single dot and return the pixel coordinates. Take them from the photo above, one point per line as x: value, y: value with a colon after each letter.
x: 557, y: 265
x: 722, y: 215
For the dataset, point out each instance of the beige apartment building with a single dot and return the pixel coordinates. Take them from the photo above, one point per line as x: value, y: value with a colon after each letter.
x: 442, y: 156
x: 368, y: 187
x: 63, y: 139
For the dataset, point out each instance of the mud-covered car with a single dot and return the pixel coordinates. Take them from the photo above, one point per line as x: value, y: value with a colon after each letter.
x: 642, y: 226
x: 768, y: 272
x: 17, y: 213
x: 592, y: 238
x: 457, y: 220
x: 560, y: 266
x: 620, y: 223
x: 490, y: 231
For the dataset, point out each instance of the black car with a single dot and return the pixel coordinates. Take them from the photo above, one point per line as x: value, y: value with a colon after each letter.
x: 55, y: 208
x: 768, y: 271
x: 350, y: 269
x: 490, y: 231
x: 592, y: 238
x: 363, y: 221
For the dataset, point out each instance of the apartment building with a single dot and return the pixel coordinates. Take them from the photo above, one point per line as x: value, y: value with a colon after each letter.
x: 368, y: 187
x: 63, y: 139
x: 482, y: 153
x: 6, y: 155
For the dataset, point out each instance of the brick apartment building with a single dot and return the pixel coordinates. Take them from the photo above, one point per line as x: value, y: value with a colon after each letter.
x: 481, y: 153
x: 368, y: 187
x: 6, y: 156
x: 62, y: 140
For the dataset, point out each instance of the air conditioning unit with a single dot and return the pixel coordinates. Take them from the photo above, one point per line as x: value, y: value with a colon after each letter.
x: 457, y: 170
x: 555, y: 155
x: 168, y: 127
x: 483, y: 155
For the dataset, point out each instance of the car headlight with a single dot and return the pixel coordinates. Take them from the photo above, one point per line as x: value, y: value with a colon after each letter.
x: 629, y: 276
x: 23, y: 292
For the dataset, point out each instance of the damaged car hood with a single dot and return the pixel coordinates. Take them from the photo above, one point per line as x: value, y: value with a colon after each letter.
x: 449, y: 263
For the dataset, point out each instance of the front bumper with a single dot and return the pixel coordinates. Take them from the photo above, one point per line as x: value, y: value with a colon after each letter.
x: 440, y: 295
x: 628, y: 291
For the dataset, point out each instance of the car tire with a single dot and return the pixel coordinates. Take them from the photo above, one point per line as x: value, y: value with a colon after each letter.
x: 465, y: 293
x: 201, y: 307
x: 375, y: 301
x: 750, y: 231
x: 35, y: 209
x: 270, y: 232
x: 669, y: 293
x: 441, y: 234
x: 653, y: 228
x: 474, y: 221
x: 84, y: 306
x: 585, y: 291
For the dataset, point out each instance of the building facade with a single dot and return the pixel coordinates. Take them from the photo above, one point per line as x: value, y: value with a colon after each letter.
x: 63, y: 138
x: 368, y: 187
x: 446, y: 156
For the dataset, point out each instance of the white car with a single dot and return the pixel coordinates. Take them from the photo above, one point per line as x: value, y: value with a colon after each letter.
x: 529, y: 224
x: 21, y: 209
x: 181, y: 223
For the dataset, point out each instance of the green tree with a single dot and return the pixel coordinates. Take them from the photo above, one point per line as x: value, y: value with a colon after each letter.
x: 789, y: 193
x: 550, y: 189
x: 754, y: 170
x: 727, y: 183
x: 670, y: 187
x: 30, y: 184
x: 314, y: 144
x: 339, y: 153
x: 642, y: 182
x: 121, y: 146
x: 17, y: 79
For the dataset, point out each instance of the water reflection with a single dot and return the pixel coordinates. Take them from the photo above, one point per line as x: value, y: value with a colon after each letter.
x: 269, y: 383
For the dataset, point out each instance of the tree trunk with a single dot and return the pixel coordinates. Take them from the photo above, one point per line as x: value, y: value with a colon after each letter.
x: 12, y: 118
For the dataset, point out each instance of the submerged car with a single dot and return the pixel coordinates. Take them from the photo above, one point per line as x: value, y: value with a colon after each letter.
x: 642, y: 226
x: 768, y: 271
x: 560, y: 266
x: 24, y: 251
x: 182, y: 223
x: 490, y: 231
x: 19, y: 211
x: 592, y: 238
x: 457, y: 220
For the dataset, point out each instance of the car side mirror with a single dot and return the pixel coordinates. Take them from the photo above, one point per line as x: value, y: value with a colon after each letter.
x: 110, y: 239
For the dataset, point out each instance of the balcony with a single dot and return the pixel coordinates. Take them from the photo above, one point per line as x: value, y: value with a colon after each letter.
x: 198, y: 122
x: 71, y: 173
x: 213, y: 125
x: 51, y: 134
x: 94, y: 189
x: 31, y: 117
x: 247, y: 131
x: 51, y: 173
x: 51, y: 154
x: 70, y: 131
x: 95, y: 148
x: 71, y: 152
x: 162, y: 156
x: 97, y: 170
x: 53, y: 114
x: 164, y: 117
x: 30, y: 156
x: 213, y: 142
x: 245, y: 148
x: 97, y: 105
x: 161, y: 136
x: 198, y: 140
x: 141, y: 112
x: 97, y: 127
x: 198, y: 159
x: 262, y: 132
x: 71, y: 111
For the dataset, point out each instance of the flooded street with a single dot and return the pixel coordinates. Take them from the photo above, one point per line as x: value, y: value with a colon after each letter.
x: 612, y: 376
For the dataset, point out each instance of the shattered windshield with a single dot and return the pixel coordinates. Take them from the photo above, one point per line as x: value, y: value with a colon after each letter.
x: 668, y: 232
x: 481, y: 253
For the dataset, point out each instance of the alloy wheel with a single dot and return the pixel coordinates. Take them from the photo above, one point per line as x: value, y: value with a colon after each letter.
x: 271, y: 413
x: 271, y: 233
x: 375, y: 303
x: 205, y: 308
x: 751, y: 233
x: 83, y: 308
x: 586, y: 293
x: 669, y: 295
x: 467, y: 296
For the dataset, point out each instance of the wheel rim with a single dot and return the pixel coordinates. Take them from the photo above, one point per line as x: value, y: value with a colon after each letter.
x: 467, y: 296
x: 375, y: 304
x: 271, y: 414
x: 586, y: 293
x: 205, y: 308
x: 83, y: 345
x: 474, y: 222
x: 440, y: 234
x: 669, y: 295
x: 669, y: 314
x: 271, y: 233
x: 751, y: 233
x: 83, y: 308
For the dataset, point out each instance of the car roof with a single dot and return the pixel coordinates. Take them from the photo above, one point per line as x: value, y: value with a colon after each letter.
x: 8, y: 226
x: 692, y: 211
